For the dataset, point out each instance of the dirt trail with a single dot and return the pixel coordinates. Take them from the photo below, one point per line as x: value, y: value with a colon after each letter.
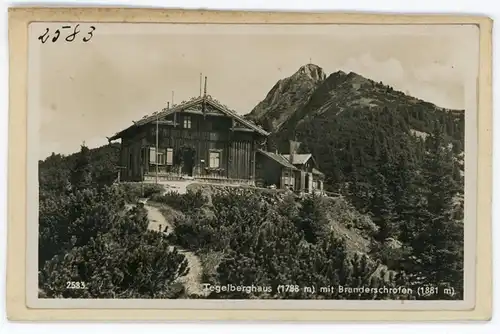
x: 192, y: 281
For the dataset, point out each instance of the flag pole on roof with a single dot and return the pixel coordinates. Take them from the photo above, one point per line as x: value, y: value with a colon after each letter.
x: 200, y: 82
x: 175, y: 113
x: 204, y: 98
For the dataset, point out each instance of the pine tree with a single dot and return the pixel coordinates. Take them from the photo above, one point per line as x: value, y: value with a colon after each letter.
x: 382, y: 208
x: 312, y: 218
x: 81, y: 175
x: 438, y: 246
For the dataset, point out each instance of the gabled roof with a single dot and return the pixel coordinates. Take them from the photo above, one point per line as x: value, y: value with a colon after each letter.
x: 192, y: 102
x: 278, y: 158
x: 284, y: 160
x: 300, y: 159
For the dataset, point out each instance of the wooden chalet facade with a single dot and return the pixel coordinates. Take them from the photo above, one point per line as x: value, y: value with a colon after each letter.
x: 204, y: 140
x: 200, y: 138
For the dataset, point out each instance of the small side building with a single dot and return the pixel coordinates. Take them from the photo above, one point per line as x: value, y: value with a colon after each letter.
x: 274, y: 170
x: 309, y: 179
x: 297, y: 172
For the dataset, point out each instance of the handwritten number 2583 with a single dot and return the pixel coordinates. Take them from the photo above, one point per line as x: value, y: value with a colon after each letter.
x: 69, y: 38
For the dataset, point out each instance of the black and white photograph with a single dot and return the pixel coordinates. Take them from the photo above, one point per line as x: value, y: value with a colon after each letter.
x: 251, y: 162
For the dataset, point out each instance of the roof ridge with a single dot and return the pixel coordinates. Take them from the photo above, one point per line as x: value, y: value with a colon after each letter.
x: 233, y: 113
x: 192, y: 101
x: 165, y: 111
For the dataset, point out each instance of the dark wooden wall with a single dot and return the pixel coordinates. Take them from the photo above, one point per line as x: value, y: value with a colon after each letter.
x: 132, y: 148
x: 206, y: 133
x: 267, y: 171
x: 241, y: 156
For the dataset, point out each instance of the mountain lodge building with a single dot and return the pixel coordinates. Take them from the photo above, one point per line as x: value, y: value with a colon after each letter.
x: 204, y: 140
x: 297, y: 172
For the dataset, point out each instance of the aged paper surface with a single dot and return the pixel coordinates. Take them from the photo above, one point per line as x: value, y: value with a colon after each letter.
x: 88, y: 86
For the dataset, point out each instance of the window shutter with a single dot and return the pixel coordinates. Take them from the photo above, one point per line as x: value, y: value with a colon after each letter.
x: 152, y: 155
x: 214, y: 161
x: 170, y: 156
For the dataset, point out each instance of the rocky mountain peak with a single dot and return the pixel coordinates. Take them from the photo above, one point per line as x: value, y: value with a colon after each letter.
x: 312, y: 71
x: 286, y: 96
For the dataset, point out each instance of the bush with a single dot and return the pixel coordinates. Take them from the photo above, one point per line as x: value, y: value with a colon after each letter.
x: 126, y: 262
x: 73, y: 219
x: 245, y: 238
x: 210, y: 262
x: 344, y: 213
x: 90, y: 246
x: 133, y: 191
x: 185, y: 203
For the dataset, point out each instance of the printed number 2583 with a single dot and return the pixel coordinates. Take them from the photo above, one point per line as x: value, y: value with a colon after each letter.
x: 75, y: 285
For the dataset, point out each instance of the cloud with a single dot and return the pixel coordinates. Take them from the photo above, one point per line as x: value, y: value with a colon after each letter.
x: 389, y: 70
x: 436, y: 71
x: 436, y: 82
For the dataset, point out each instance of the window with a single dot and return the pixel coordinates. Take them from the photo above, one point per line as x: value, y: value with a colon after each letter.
x: 214, y: 161
x: 152, y: 155
x: 160, y: 157
x: 187, y: 122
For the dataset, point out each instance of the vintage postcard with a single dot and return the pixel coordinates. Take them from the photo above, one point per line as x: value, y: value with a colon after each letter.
x: 219, y: 164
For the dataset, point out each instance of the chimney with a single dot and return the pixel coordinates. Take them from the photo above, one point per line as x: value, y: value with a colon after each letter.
x: 205, y: 92
x: 293, y: 149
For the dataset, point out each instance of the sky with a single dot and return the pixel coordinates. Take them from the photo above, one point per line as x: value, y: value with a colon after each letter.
x: 84, y: 92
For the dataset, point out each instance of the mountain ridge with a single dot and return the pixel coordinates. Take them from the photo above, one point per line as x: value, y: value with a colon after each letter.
x: 311, y: 90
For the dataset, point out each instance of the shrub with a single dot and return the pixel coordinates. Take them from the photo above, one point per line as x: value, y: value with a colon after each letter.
x: 125, y: 262
x: 72, y: 220
x: 210, y: 262
x: 343, y: 212
x: 133, y: 191
x: 244, y: 238
x: 185, y: 203
x: 390, y: 253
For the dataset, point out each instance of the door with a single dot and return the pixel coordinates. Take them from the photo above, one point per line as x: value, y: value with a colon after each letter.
x: 188, y: 155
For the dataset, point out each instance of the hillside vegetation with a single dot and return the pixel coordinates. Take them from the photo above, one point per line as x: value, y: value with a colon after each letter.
x: 90, y: 246
x: 252, y: 237
x: 55, y: 171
